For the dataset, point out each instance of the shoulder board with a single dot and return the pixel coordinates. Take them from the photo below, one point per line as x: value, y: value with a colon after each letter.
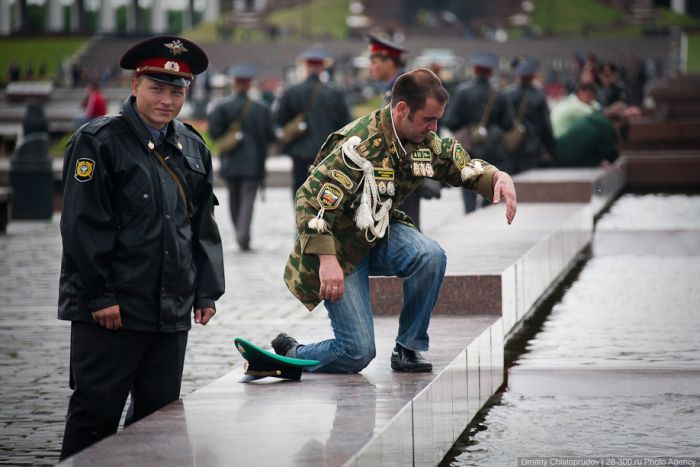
x: 93, y: 126
x: 371, y: 145
x: 191, y: 133
x: 434, y: 142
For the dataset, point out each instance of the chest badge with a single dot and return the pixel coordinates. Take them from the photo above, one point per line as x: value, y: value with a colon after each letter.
x: 421, y: 163
x: 84, y: 169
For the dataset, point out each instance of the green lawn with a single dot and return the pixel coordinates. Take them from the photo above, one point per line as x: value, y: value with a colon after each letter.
x: 594, y: 18
x: 46, y: 51
x: 572, y: 17
x: 317, y: 19
x: 694, y: 53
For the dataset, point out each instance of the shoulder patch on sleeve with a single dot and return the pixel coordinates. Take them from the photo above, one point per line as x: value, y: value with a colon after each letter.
x: 329, y: 196
x: 459, y: 156
x: 84, y: 169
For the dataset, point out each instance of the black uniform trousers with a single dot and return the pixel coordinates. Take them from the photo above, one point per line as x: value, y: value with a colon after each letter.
x: 300, y: 172
x: 105, y: 366
x: 241, y: 199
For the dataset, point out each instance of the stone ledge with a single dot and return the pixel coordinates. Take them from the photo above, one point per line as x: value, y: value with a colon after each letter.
x: 649, y: 170
x: 371, y: 418
x: 496, y: 268
x: 570, y: 185
x: 378, y: 417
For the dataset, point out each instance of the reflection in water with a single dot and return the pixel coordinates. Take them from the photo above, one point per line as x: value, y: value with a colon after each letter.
x: 615, y: 370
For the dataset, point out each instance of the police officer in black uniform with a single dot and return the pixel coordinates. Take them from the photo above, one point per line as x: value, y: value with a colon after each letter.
x: 466, y: 109
x: 534, y: 115
x: 242, y: 166
x: 324, y: 108
x: 141, y: 249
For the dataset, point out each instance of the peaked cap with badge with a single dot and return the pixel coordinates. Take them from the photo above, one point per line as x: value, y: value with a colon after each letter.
x: 166, y: 59
x: 484, y: 60
x: 243, y: 71
x: 316, y: 55
x: 261, y: 363
x: 378, y: 46
x: 526, y: 67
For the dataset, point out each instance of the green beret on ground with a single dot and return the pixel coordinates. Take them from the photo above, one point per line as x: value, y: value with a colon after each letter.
x: 261, y: 363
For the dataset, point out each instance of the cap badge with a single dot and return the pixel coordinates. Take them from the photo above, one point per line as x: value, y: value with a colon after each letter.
x: 176, y: 47
x: 172, y: 66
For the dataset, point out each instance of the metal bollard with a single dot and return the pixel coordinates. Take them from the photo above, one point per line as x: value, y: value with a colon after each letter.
x: 31, y: 174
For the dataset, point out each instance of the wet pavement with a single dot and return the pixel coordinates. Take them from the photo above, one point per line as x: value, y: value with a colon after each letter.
x: 34, y: 344
x: 615, y: 370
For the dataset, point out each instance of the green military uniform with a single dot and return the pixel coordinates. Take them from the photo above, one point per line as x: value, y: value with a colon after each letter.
x: 330, y: 204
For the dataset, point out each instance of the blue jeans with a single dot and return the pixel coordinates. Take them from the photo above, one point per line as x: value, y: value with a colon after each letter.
x: 405, y: 253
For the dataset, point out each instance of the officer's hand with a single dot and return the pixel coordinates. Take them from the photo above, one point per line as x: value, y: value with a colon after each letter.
x: 203, y: 315
x: 109, y: 317
x: 504, y: 188
x: 332, y: 278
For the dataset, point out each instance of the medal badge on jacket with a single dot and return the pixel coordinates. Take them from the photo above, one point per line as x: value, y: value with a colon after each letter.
x: 384, y: 176
x: 421, y: 163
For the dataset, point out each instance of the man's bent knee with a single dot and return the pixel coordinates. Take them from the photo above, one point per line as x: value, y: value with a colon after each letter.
x: 356, y: 359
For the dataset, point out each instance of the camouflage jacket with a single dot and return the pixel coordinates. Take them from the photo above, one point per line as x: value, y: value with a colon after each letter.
x: 334, y: 188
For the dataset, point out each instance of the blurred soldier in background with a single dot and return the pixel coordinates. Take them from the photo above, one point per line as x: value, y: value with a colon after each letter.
x: 479, y: 116
x: 243, y: 129
x: 307, y: 113
x: 530, y: 108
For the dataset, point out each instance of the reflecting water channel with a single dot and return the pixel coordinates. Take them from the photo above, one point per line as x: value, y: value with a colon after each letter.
x: 614, y: 370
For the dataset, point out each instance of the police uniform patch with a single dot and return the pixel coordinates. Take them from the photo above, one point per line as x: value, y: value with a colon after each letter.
x: 343, y: 179
x: 329, y: 196
x: 84, y: 168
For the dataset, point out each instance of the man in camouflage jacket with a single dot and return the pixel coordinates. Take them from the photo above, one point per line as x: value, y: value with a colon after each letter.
x: 349, y: 229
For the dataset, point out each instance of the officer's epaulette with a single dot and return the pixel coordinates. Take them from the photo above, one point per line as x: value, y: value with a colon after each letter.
x: 434, y: 142
x: 189, y: 127
x: 94, y: 125
x: 370, y: 146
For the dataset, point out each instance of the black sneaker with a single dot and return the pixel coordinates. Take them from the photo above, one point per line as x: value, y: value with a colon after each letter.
x: 283, y: 344
x: 403, y: 359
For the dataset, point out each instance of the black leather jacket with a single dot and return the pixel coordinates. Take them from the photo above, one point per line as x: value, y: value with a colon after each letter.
x: 128, y: 236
